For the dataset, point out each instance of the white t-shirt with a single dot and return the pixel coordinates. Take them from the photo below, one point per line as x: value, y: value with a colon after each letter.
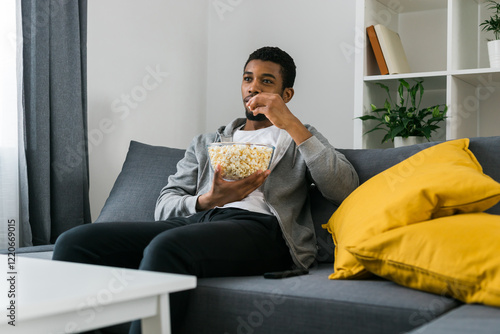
x: 255, y: 201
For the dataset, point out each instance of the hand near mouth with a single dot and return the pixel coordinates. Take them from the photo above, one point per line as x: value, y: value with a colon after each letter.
x: 276, y: 110
x: 268, y: 104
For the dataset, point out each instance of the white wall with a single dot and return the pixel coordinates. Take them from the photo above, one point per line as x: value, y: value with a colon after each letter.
x: 202, y: 45
x: 313, y: 32
x: 127, y: 41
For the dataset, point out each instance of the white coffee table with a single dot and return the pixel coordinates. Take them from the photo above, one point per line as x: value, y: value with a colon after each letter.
x: 61, y: 297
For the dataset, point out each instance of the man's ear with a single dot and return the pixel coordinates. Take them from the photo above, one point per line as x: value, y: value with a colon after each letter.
x: 287, y: 94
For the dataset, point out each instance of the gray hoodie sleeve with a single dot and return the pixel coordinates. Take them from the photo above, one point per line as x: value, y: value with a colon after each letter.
x: 178, y: 198
x: 329, y: 169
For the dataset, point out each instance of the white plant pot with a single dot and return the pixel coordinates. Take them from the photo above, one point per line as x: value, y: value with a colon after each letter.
x: 494, y: 53
x: 411, y: 140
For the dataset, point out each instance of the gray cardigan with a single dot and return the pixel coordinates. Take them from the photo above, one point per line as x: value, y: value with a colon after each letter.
x: 285, y: 190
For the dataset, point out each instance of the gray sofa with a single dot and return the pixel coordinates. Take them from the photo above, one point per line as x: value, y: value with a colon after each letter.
x: 311, y: 303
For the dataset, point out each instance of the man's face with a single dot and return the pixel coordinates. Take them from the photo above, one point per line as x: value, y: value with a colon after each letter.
x: 260, y: 77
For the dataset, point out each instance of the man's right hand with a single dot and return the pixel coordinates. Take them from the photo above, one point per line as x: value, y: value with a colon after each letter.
x: 223, y: 192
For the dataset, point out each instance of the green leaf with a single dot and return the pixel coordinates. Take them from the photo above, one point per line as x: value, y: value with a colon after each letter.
x: 375, y: 129
x: 404, y: 83
x: 421, y: 92
x: 383, y: 86
x: 386, y: 138
x: 413, y: 95
x: 427, y: 132
x: 387, y: 105
x: 405, y: 122
x: 367, y: 117
x: 401, y: 94
x: 396, y: 131
x: 432, y: 127
x: 424, y: 113
x: 386, y: 90
x: 436, y: 112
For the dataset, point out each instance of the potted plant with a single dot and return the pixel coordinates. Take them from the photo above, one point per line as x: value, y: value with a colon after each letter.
x: 405, y: 121
x: 493, y: 25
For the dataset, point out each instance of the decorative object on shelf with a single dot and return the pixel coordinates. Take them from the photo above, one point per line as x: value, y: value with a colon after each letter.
x: 493, y: 25
x: 377, y: 50
x: 406, y: 118
x: 392, y: 50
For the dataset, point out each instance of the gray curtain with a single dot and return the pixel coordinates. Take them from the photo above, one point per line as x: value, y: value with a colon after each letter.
x: 54, y: 60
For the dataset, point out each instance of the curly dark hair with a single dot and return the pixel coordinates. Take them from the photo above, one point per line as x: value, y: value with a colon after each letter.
x: 280, y: 57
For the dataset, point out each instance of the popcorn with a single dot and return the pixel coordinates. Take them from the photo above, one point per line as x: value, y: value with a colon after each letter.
x: 239, y: 160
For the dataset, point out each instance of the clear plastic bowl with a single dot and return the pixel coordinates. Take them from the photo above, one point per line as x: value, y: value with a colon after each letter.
x: 239, y: 160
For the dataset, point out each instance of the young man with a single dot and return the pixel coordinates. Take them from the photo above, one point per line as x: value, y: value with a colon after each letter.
x: 210, y: 227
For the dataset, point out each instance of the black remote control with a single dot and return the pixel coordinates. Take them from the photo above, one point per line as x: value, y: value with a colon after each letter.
x: 286, y: 273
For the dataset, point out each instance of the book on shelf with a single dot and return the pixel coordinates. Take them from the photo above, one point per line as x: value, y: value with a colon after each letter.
x: 377, y: 51
x: 392, y: 50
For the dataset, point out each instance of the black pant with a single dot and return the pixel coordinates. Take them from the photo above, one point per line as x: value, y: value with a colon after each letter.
x: 214, y: 243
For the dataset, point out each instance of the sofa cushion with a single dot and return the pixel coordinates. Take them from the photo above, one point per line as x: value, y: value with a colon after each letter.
x: 438, y: 181
x: 309, y: 304
x: 40, y: 251
x: 455, y: 255
x: 477, y: 319
x: 144, y: 173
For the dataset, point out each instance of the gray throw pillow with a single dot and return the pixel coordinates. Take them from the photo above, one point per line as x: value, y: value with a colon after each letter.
x: 144, y: 173
x: 370, y: 162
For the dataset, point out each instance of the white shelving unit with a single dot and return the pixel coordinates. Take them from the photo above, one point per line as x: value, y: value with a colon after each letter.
x: 446, y: 48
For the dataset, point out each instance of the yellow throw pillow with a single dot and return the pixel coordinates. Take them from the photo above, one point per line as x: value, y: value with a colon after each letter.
x: 439, y: 181
x: 455, y: 255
